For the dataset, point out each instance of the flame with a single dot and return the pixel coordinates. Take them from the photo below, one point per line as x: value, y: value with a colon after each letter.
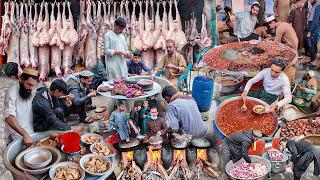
x: 155, y: 154
x: 180, y: 154
x: 202, y: 154
x: 129, y: 155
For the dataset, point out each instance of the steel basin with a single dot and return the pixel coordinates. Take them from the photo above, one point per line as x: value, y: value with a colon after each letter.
x: 237, y: 98
x: 254, y: 159
x: 13, y: 149
x: 277, y: 166
x: 229, y: 88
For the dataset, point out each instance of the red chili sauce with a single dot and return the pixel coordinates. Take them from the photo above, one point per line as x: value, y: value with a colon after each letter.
x: 231, y: 119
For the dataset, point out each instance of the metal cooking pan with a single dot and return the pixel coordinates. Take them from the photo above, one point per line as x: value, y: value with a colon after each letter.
x: 249, y: 98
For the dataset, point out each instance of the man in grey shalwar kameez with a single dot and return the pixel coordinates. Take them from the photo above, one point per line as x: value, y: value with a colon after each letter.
x: 183, y: 115
x: 116, y: 51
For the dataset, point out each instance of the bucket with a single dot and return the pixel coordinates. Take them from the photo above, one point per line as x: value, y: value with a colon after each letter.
x: 71, y: 141
x: 202, y: 91
x: 277, y: 166
x: 257, y: 148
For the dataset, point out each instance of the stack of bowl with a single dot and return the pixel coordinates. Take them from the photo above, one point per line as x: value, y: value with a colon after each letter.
x: 38, y: 160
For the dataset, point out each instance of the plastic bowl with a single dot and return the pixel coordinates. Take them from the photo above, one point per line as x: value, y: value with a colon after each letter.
x: 36, y: 158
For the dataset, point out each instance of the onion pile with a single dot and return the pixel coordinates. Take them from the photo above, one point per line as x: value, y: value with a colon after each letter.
x: 275, y: 155
x: 245, y: 171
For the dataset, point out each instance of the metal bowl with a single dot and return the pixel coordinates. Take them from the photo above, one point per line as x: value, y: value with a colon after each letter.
x: 112, y: 149
x: 56, y: 157
x: 37, y: 157
x: 230, y: 87
x: 254, y: 159
x: 54, y: 168
x: 277, y: 166
x: 87, y: 157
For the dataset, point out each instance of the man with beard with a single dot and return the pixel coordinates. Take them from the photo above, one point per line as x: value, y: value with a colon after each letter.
x: 285, y: 34
x: 78, y: 85
x: 306, y: 86
x: 18, y: 107
x: 173, y: 64
x: 275, y: 82
x: 49, y: 109
x: 245, y: 23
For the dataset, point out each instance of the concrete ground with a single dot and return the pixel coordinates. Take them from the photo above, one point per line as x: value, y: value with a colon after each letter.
x: 6, y: 175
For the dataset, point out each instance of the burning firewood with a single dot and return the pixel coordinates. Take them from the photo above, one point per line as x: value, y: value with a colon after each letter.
x: 210, y: 164
x: 210, y: 172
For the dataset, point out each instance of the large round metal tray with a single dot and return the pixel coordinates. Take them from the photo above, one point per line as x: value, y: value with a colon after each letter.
x: 254, y: 159
x: 56, y: 157
x: 250, y: 98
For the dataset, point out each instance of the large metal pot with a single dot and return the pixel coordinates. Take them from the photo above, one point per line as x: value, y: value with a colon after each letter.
x: 237, y: 98
x: 230, y: 87
x: 277, y: 166
x: 254, y: 159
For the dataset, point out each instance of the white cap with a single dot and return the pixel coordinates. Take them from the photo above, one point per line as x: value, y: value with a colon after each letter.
x: 270, y: 18
x: 311, y: 73
x: 256, y: 2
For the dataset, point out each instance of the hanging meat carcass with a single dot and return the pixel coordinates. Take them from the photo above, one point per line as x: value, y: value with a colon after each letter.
x: 160, y: 45
x: 69, y: 37
x: 175, y: 27
x: 24, y: 36
x: 33, y: 50
x: 113, y: 14
x: 56, y: 44
x: 205, y: 41
x: 141, y: 19
x: 193, y: 32
x: 101, y: 31
x: 137, y: 42
x: 82, y: 31
x: 41, y: 39
x: 136, y: 38
x: 13, y: 43
x: 149, y: 39
x: 128, y: 29
x: 90, y: 49
x: 6, y: 30
x: 107, y: 17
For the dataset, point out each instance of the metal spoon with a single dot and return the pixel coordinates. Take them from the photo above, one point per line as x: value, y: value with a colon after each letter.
x: 244, y: 107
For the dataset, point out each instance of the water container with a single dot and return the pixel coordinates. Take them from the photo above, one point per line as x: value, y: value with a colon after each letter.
x: 202, y: 91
